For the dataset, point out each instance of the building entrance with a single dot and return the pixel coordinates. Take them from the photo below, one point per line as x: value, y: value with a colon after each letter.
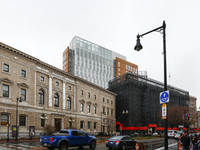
x: 57, y: 124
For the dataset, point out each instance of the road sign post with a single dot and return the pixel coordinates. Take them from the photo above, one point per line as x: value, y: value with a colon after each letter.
x: 164, y: 97
x: 164, y: 111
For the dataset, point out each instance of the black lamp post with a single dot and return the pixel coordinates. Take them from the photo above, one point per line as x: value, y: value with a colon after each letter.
x: 138, y: 47
x: 101, y: 126
x: 125, y: 113
x: 19, y: 99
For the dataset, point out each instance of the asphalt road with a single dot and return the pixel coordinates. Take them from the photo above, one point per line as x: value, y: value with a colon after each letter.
x: 153, y: 144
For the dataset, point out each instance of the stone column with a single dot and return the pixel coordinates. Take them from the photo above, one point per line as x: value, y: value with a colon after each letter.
x: 35, y: 89
x: 75, y: 97
x: 64, y: 95
x: 50, y: 91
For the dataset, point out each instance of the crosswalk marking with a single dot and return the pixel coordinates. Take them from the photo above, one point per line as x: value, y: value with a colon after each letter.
x: 161, y: 148
x: 19, y: 146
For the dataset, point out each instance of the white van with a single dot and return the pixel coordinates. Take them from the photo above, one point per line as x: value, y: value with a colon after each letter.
x: 172, y: 133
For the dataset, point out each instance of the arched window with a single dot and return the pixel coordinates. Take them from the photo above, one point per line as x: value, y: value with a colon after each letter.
x: 56, y: 100
x: 68, y: 102
x: 41, y: 97
x: 4, y: 119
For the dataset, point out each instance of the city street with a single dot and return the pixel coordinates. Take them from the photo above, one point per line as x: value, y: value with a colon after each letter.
x: 153, y: 144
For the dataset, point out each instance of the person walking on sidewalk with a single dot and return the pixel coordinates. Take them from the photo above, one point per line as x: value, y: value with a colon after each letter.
x: 185, y: 141
x: 195, y: 142
x: 140, y: 146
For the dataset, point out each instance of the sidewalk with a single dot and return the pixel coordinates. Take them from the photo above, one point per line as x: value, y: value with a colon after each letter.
x: 9, y: 144
x: 19, y: 140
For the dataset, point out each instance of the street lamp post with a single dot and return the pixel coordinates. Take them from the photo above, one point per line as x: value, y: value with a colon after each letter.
x: 125, y: 112
x: 101, y: 125
x: 19, y: 99
x: 138, y: 47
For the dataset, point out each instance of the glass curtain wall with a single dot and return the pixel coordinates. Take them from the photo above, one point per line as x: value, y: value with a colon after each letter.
x: 92, y: 62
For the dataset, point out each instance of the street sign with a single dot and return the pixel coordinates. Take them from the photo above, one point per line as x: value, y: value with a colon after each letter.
x: 164, y: 111
x: 164, y: 97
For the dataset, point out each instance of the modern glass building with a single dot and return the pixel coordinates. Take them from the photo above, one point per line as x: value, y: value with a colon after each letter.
x: 90, y: 61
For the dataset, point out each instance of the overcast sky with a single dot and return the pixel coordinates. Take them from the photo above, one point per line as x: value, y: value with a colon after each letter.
x: 44, y: 28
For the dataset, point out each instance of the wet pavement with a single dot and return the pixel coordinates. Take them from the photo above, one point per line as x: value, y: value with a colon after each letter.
x: 152, y: 144
x: 25, y: 145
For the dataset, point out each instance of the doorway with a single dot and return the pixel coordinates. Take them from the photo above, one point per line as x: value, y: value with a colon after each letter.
x: 57, y: 124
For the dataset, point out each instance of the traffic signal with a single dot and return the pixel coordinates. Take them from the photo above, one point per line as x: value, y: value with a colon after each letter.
x: 8, y: 125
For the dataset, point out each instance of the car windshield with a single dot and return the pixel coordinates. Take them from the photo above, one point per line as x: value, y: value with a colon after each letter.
x: 116, y: 138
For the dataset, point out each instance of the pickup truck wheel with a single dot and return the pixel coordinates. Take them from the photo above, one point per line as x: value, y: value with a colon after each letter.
x: 63, y: 146
x: 92, y: 144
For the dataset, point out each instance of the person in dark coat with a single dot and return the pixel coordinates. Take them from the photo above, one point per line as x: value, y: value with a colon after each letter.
x: 185, y: 140
x: 195, y: 142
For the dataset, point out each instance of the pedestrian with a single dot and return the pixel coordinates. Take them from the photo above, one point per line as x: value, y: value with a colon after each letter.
x: 140, y: 146
x: 185, y: 140
x: 195, y: 142
x: 179, y: 142
x: 198, y: 142
x: 179, y: 138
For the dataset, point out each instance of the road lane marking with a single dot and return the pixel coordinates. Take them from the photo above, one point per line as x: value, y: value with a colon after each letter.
x: 161, y: 148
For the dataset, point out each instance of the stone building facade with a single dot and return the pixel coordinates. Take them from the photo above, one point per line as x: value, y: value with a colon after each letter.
x: 193, y: 115
x: 49, y: 96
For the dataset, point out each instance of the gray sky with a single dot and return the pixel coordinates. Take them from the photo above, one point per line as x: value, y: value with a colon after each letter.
x: 44, y: 28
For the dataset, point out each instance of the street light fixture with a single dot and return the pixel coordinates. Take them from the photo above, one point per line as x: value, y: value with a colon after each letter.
x: 43, y: 116
x: 138, y: 47
x: 125, y: 112
x: 19, y: 99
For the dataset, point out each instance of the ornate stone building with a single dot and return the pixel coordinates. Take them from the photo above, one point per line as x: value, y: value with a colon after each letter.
x: 193, y: 115
x: 49, y: 96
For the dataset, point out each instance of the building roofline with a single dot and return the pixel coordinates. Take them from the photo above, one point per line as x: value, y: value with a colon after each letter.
x: 145, y: 80
x: 38, y: 61
x: 193, y: 97
x: 90, y: 83
x: 97, y: 45
x: 126, y: 61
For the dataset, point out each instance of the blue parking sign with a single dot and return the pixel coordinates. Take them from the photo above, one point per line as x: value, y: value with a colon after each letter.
x: 164, y: 97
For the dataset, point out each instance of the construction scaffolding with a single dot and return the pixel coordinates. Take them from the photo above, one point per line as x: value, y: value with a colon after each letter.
x: 139, y: 96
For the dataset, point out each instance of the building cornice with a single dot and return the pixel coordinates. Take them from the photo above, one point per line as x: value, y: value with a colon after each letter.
x: 38, y: 61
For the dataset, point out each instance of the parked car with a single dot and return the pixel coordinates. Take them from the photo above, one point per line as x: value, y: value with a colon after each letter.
x: 177, y: 135
x: 134, y: 134
x: 121, y: 142
x: 68, y: 138
x: 155, y: 133
x: 172, y: 133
